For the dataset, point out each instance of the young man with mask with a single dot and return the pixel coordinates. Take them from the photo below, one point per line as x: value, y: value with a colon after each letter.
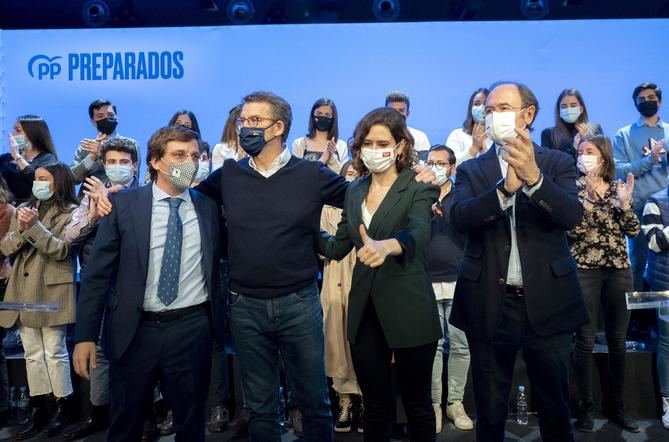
x: 400, y: 102
x: 444, y: 254
x: 159, y: 251
x: 639, y: 149
x: 87, y: 157
x: 517, y: 285
x: 119, y: 157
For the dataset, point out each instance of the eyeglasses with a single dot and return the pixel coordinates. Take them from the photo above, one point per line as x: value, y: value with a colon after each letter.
x: 250, y: 122
x: 502, y: 108
x: 437, y: 163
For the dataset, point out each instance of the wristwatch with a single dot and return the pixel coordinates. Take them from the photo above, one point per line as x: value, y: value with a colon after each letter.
x: 500, y: 187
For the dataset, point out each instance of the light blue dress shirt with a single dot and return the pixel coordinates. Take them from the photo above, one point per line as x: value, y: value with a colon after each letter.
x: 192, y: 278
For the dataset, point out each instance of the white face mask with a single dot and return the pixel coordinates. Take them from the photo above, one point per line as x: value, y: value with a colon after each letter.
x: 441, y: 173
x: 378, y: 160
x: 587, y: 163
x: 500, y: 125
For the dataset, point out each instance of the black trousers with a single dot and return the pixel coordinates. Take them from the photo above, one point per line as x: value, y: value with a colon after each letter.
x: 603, y: 290
x: 547, y: 360
x: 372, y: 363
x: 178, y: 355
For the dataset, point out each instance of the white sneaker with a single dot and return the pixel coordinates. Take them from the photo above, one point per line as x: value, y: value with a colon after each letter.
x: 456, y: 413
x: 665, y: 412
x: 438, y: 417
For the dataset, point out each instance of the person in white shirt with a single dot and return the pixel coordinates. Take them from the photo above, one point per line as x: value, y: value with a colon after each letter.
x: 400, y: 102
x: 228, y: 147
x: 470, y: 140
x: 322, y: 141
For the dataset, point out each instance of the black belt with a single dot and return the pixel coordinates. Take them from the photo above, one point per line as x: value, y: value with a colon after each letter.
x: 515, y: 290
x: 171, y: 315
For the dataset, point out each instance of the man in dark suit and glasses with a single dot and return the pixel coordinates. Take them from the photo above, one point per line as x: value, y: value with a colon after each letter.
x: 517, y: 285
x: 159, y: 250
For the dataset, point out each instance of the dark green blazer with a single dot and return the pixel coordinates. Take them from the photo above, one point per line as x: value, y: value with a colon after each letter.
x: 400, y: 289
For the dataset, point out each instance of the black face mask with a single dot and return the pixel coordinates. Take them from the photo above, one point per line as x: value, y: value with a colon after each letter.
x: 252, y: 139
x: 107, y: 126
x: 647, y: 108
x: 324, y: 124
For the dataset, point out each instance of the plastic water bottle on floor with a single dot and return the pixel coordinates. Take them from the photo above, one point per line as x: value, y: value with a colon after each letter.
x: 23, y: 406
x: 521, y: 406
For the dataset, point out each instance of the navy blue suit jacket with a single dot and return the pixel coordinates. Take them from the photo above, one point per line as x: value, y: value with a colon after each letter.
x: 552, y: 292
x: 120, y: 260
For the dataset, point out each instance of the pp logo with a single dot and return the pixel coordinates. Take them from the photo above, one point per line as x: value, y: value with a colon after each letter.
x: 45, y: 67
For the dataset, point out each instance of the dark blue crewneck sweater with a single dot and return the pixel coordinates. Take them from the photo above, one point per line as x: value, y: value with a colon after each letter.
x: 273, y: 223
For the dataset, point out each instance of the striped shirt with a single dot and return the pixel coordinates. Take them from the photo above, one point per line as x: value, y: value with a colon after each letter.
x: 655, y: 231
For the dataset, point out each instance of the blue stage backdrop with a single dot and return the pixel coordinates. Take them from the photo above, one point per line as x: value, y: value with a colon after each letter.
x: 150, y: 73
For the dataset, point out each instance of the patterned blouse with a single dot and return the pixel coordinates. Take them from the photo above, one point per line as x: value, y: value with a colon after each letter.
x: 599, y: 240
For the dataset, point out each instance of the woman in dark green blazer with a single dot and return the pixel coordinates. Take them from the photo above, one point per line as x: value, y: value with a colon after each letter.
x: 392, y: 311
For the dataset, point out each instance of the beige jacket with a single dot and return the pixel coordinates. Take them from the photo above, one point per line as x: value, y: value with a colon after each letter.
x: 43, y: 271
x: 334, y: 299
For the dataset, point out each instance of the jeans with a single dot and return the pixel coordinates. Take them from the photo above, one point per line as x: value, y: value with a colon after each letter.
x: 663, y: 349
x: 291, y: 325
x: 220, y: 380
x: 603, y: 290
x: 638, y: 250
x: 372, y: 362
x: 458, y: 358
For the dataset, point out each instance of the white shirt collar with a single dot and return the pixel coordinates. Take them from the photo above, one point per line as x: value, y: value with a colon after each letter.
x: 278, y: 162
x: 159, y: 194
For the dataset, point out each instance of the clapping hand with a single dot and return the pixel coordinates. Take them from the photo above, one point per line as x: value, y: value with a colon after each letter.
x: 519, y: 153
x: 478, y: 138
x: 26, y: 217
x: 657, y: 149
x: 93, y: 147
x: 13, y: 147
x: 584, y: 130
x: 624, y: 192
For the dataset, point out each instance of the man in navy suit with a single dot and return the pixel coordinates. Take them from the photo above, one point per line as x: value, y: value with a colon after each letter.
x: 159, y: 251
x: 517, y: 285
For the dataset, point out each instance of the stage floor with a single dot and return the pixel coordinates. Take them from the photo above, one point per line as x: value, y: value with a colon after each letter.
x: 651, y: 430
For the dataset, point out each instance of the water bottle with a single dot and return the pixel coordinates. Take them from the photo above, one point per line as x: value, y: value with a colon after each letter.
x: 521, y: 406
x: 13, y: 406
x: 23, y: 406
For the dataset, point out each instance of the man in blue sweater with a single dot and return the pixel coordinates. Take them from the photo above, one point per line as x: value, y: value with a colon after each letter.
x: 272, y: 202
x: 638, y: 149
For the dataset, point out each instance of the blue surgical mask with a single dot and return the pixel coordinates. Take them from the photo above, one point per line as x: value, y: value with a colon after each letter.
x: 119, y: 174
x: 202, y: 171
x: 478, y: 113
x: 41, y: 190
x: 252, y: 139
x: 570, y: 114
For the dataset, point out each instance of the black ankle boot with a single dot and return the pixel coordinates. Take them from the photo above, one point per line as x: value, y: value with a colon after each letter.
x: 36, y: 421
x: 61, y: 417
x: 627, y: 423
x: 585, y: 421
